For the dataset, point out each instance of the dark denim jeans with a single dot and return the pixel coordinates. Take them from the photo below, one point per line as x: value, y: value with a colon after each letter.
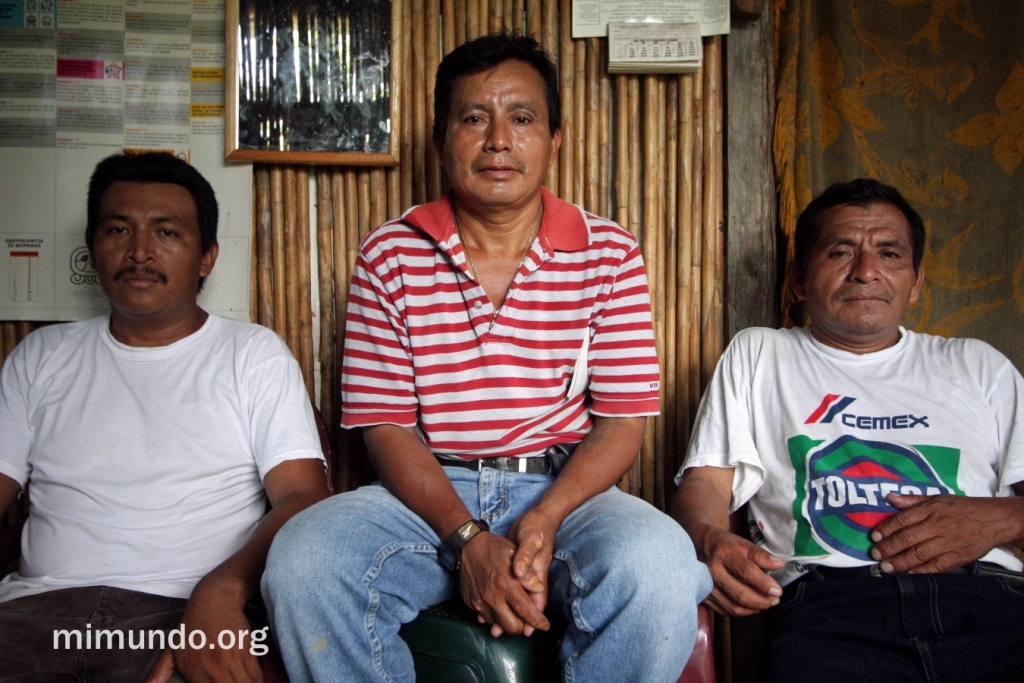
x: 933, y: 628
x: 28, y: 626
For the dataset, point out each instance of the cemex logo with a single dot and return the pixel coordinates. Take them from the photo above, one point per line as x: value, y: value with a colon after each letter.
x: 830, y: 406
x: 841, y: 488
x: 833, y: 404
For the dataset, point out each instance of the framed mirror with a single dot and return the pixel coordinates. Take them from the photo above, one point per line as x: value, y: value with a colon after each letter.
x: 313, y: 82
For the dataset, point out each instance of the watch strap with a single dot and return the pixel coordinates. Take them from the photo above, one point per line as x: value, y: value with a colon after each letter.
x: 450, y: 552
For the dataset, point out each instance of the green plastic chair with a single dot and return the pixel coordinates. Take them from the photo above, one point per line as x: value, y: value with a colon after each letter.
x: 449, y: 646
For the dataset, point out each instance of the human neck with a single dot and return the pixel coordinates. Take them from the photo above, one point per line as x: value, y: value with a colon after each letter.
x: 859, y: 346
x: 497, y: 232
x: 147, y: 331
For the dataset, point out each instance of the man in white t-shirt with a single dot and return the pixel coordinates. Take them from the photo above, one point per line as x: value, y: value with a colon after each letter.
x: 151, y: 441
x: 881, y: 470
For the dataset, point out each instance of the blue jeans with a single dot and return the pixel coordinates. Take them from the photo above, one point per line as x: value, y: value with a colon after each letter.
x: 906, y: 628
x: 345, y: 574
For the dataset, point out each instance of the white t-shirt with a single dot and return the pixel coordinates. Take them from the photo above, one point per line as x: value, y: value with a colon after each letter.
x: 819, y: 436
x: 145, y: 464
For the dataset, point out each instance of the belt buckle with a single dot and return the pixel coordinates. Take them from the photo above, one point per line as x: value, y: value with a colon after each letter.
x: 875, y: 570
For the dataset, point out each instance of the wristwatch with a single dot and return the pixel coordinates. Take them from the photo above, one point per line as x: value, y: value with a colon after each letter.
x: 450, y: 552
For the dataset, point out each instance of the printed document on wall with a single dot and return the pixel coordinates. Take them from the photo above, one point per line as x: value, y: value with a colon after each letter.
x: 590, y: 17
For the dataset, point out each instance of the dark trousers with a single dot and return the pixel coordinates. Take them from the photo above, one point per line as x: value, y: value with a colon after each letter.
x: 33, y: 647
x: 934, y: 628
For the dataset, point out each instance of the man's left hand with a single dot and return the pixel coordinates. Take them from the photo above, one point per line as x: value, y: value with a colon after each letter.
x: 940, y: 533
x: 213, y: 608
x: 534, y: 536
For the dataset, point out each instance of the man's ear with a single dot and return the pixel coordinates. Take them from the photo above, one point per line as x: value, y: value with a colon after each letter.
x: 209, y: 260
x: 915, y: 292
x: 439, y: 148
x: 556, y: 142
x: 796, y: 282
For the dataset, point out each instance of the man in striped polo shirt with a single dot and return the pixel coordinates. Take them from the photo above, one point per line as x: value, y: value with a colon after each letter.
x: 490, y: 335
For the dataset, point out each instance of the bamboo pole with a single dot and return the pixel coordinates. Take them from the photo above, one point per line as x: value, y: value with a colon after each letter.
x: 666, y: 282
x: 671, y: 249
x: 278, y: 234
x: 591, y: 198
x: 472, y: 19
x: 22, y: 329
x: 696, y: 240
x: 433, y: 59
x: 325, y: 273
x: 506, y: 16
x: 719, y: 207
x: 394, y: 192
x: 622, y: 174
x: 497, y: 15
x: 710, y: 288
x: 684, y: 249
x: 254, y: 288
x: 484, y: 9
x: 461, y: 17
x: 305, y: 279
x: 633, y: 224
x: 605, y: 122
x: 363, y: 175
x: 534, y: 21
x: 419, y: 104
x: 342, y: 272
x: 649, y: 239
x: 351, y: 218
x: 567, y: 79
x: 518, y: 17
x: 378, y: 199
x: 579, y: 118
x: 264, y: 248
x: 448, y: 21
x: 549, y: 41
x: 291, y: 259
x: 406, y: 166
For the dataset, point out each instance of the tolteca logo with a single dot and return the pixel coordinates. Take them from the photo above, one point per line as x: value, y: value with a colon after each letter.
x: 841, y: 488
x: 833, y: 405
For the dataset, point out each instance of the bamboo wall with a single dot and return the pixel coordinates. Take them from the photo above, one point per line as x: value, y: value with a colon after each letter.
x: 644, y: 150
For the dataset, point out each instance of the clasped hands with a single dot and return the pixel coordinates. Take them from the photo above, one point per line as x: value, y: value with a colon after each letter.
x: 928, y: 534
x: 505, y: 580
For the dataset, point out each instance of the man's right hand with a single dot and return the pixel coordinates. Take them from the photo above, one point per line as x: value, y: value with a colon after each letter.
x: 491, y: 589
x: 738, y: 567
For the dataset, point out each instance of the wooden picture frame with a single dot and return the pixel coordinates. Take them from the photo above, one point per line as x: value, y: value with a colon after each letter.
x: 379, y: 148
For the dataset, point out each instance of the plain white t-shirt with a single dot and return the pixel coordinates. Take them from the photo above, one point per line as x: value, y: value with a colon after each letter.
x: 819, y: 436
x: 145, y: 464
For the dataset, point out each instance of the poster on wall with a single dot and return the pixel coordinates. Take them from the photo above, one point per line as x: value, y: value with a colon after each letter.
x: 81, y: 80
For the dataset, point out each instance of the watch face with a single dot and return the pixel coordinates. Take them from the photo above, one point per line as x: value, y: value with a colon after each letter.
x: 467, y: 530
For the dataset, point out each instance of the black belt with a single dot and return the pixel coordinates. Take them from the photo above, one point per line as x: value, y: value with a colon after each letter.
x: 820, y: 572
x: 552, y: 461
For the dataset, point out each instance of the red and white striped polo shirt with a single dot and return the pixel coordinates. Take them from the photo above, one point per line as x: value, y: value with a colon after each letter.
x: 420, y: 349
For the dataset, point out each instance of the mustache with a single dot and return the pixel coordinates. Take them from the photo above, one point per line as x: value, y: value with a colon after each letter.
x: 510, y: 162
x: 141, y: 270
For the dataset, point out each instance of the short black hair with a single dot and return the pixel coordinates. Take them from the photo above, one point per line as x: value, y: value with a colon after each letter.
x: 861, y: 192
x: 153, y: 167
x: 487, y: 52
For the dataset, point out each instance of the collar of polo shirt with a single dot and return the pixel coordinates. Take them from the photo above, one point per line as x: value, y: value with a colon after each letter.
x: 562, y: 229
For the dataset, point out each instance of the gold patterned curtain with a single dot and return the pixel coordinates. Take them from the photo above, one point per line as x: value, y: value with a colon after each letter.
x: 927, y: 96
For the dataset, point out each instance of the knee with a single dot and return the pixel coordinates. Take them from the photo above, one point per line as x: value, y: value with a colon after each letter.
x: 293, y: 562
x: 657, y: 561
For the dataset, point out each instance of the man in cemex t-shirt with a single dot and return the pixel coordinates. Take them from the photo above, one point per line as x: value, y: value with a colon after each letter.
x: 879, y: 466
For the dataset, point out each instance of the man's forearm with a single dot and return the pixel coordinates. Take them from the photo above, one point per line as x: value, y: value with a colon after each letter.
x: 9, y: 490
x: 700, y: 503
x: 597, y: 464
x: 412, y: 474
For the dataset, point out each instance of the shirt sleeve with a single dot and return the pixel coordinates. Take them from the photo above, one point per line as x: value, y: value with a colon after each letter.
x: 723, y: 431
x: 377, y: 379
x: 624, y: 373
x: 1007, y: 400
x: 14, y: 420
x: 281, y: 422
